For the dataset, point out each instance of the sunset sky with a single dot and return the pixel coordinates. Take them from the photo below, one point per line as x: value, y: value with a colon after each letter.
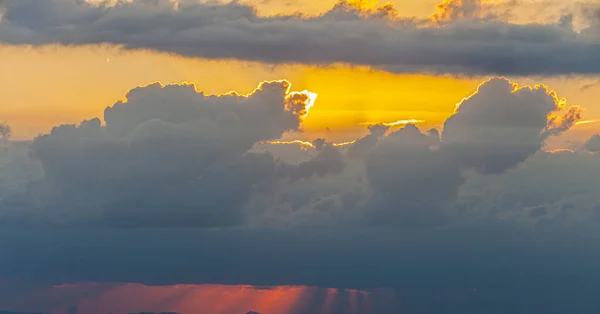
x: 52, y: 84
x: 313, y: 150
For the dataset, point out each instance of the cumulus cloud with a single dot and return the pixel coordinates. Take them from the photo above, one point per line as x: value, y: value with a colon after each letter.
x: 467, y: 42
x: 414, y: 181
x: 501, y: 124
x: 418, y: 175
x: 366, y: 143
x: 330, y: 160
x: 169, y: 156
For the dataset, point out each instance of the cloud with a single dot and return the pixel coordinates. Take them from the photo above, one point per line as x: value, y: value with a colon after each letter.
x: 502, y: 124
x: 171, y: 156
x: 417, y: 175
x: 414, y: 181
x: 554, y: 190
x: 593, y: 144
x: 348, y: 33
x: 168, y: 156
x: 364, y: 144
x: 330, y: 160
x: 5, y: 131
x: 455, y: 10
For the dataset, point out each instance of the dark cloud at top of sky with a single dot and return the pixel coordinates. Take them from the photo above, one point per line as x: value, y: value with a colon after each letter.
x: 468, y: 42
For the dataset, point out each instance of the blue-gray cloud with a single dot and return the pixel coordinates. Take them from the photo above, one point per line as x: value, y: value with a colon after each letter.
x: 466, y: 39
x: 593, y: 143
x: 170, y: 156
x: 416, y: 176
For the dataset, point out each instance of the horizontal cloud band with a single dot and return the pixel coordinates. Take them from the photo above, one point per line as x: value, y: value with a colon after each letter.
x: 171, y: 156
x: 347, y: 33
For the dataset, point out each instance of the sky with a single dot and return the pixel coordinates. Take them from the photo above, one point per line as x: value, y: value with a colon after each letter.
x: 66, y: 80
x: 316, y: 144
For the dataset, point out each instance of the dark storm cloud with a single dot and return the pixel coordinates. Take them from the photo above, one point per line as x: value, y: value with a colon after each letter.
x: 463, y: 38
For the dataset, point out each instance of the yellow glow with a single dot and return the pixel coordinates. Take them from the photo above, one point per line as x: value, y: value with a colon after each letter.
x: 314, y: 7
x: 395, y: 123
x: 53, y: 85
x: 344, y: 144
x: 56, y: 85
x: 560, y: 150
x: 312, y: 98
x: 583, y: 122
x: 306, y: 144
x: 295, y: 142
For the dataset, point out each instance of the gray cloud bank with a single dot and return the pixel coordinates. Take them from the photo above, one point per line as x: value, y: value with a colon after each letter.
x: 465, y: 37
x: 171, y: 156
x: 167, y: 156
x: 478, y: 205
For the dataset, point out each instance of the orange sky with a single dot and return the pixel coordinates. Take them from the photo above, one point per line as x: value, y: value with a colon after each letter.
x: 43, y: 87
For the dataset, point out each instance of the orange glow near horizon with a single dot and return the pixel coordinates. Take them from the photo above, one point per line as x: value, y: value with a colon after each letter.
x: 102, y: 298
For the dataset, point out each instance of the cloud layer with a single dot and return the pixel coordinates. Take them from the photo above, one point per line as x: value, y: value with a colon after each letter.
x: 464, y: 37
x: 171, y: 156
x: 479, y: 205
